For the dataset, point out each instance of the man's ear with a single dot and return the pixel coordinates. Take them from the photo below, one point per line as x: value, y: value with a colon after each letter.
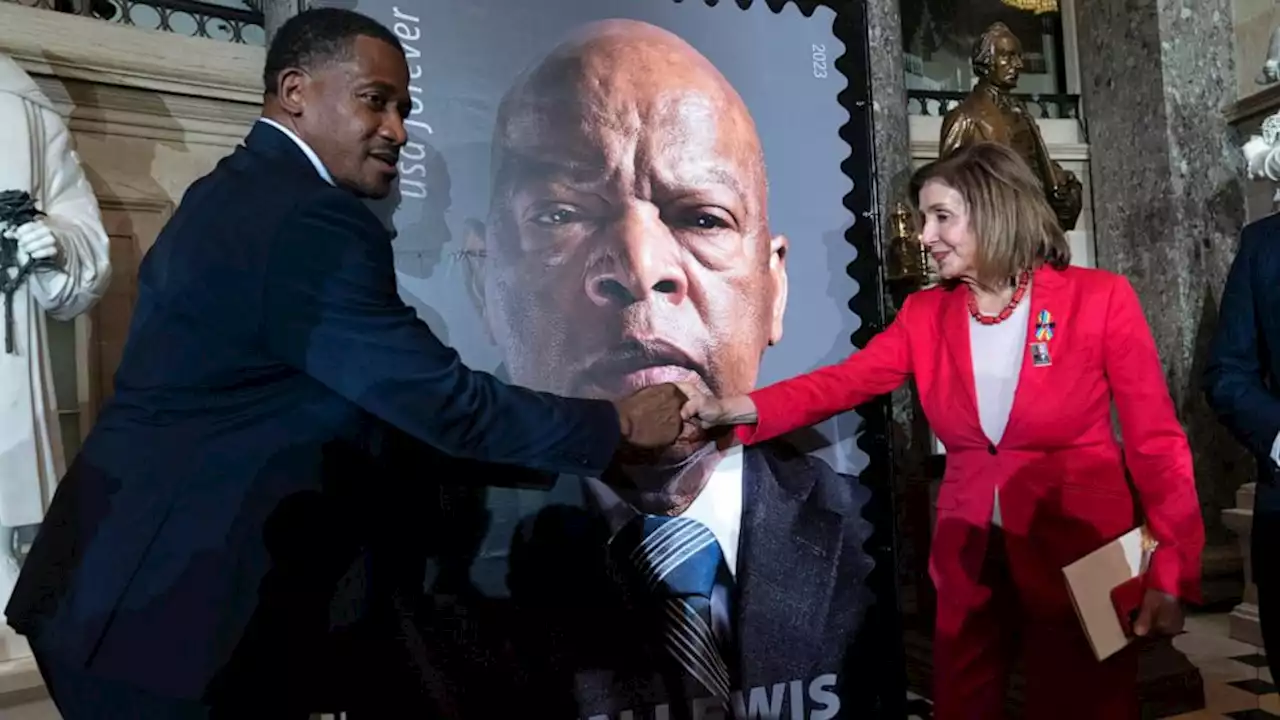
x: 778, y: 277
x: 291, y: 90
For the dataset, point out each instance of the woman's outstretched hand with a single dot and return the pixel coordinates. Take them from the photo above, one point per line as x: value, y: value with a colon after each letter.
x: 707, y: 411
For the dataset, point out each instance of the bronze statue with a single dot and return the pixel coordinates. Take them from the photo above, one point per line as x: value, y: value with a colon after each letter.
x: 909, y: 261
x: 992, y: 113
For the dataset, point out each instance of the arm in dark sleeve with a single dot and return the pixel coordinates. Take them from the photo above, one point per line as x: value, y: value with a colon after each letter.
x: 1233, y: 379
x: 405, y: 456
x: 331, y: 309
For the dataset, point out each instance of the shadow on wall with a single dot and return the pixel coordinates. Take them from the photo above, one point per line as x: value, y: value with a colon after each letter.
x: 415, y: 215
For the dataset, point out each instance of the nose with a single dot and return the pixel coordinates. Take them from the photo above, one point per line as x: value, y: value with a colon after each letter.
x: 929, y: 233
x: 643, y: 263
x: 393, y: 130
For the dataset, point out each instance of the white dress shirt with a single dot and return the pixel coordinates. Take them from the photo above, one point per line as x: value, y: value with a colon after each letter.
x: 304, y: 147
x: 718, y: 506
x: 997, y: 352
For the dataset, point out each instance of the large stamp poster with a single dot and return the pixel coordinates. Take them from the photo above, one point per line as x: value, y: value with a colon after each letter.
x: 604, y: 194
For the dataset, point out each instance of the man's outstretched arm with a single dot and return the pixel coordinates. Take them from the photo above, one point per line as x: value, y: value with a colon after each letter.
x: 331, y: 309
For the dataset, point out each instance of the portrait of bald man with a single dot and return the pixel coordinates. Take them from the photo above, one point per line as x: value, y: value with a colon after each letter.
x: 628, y: 243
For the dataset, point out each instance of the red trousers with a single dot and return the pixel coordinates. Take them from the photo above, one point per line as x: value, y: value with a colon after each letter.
x: 1018, y: 608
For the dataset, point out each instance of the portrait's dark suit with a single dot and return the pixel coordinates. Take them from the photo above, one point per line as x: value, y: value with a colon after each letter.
x: 1240, y: 381
x: 196, y: 543
x: 569, y: 644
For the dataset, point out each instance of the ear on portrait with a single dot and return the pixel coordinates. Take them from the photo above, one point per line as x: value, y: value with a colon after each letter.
x: 778, y: 277
x: 475, y: 241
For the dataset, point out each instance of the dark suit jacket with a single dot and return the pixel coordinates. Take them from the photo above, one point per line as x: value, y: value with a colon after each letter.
x: 226, y: 488
x: 1244, y: 358
x: 569, y: 645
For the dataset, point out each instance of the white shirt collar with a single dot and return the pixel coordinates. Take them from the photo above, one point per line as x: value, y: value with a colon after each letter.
x: 304, y: 147
x: 718, y: 506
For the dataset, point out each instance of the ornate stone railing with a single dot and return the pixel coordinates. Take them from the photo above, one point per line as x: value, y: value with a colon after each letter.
x: 182, y: 17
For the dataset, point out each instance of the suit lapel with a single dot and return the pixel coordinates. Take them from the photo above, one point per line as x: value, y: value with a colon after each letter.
x: 788, y: 542
x: 1046, y: 295
x: 955, y: 338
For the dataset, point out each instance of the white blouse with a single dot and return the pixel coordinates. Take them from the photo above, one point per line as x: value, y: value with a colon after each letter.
x: 997, y: 352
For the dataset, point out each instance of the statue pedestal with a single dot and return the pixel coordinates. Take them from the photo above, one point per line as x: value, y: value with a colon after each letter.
x: 1168, y: 683
x: 20, y: 680
x: 1244, y: 617
x: 13, y: 646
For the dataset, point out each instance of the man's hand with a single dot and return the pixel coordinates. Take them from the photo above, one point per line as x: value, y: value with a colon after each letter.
x: 650, y: 418
x: 35, y: 241
x: 1161, y: 614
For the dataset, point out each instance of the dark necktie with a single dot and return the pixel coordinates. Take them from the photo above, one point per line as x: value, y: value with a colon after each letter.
x: 674, y: 561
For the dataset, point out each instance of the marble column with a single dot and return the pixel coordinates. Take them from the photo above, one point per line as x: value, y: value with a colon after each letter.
x: 893, y: 163
x: 1169, y: 200
x: 889, y: 105
x: 893, y: 170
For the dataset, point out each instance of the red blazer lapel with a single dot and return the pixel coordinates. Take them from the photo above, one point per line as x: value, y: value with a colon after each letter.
x: 955, y: 339
x: 1048, y: 302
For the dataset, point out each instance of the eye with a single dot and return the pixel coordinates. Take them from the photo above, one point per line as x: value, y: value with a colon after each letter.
x: 704, y: 219
x: 375, y: 100
x: 555, y: 216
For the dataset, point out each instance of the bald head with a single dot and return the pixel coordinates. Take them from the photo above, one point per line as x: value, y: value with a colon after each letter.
x: 624, y: 86
x: 628, y: 241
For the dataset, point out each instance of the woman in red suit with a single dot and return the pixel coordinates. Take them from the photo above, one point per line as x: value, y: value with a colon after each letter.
x: 1017, y: 358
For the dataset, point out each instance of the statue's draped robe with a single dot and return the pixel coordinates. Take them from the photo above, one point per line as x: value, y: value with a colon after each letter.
x: 36, y: 155
x: 990, y: 116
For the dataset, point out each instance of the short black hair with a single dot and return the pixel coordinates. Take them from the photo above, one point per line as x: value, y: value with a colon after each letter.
x: 316, y: 37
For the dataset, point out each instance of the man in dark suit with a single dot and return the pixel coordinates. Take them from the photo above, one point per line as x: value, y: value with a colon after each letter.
x: 628, y: 243
x: 187, y: 566
x: 1240, y: 381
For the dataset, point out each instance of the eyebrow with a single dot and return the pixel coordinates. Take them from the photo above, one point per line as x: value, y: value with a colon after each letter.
x: 516, y: 167
x: 721, y: 176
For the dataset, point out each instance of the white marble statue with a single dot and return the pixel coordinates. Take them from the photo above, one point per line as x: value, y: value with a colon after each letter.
x: 1262, y: 154
x: 36, y: 156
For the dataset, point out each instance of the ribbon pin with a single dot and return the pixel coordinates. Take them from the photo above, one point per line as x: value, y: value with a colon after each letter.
x: 1044, y: 326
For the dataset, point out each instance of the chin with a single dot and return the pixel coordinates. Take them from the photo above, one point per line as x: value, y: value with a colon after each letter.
x: 688, y: 444
x: 376, y: 191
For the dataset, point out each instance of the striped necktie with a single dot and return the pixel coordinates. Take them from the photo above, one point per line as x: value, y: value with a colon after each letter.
x: 675, y: 562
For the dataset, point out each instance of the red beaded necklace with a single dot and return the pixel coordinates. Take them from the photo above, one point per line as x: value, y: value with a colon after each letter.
x: 1018, y: 292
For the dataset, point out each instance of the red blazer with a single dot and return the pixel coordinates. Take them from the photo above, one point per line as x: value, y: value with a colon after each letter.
x: 1059, y: 467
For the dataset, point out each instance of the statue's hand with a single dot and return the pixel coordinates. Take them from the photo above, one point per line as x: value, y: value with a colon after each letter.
x: 35, y: 241
x: 1253, y: 150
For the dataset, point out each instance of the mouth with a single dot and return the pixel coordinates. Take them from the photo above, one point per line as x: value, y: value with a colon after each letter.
x: 637, y: 364
x: 940, y: 255
x: 386, y: 160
